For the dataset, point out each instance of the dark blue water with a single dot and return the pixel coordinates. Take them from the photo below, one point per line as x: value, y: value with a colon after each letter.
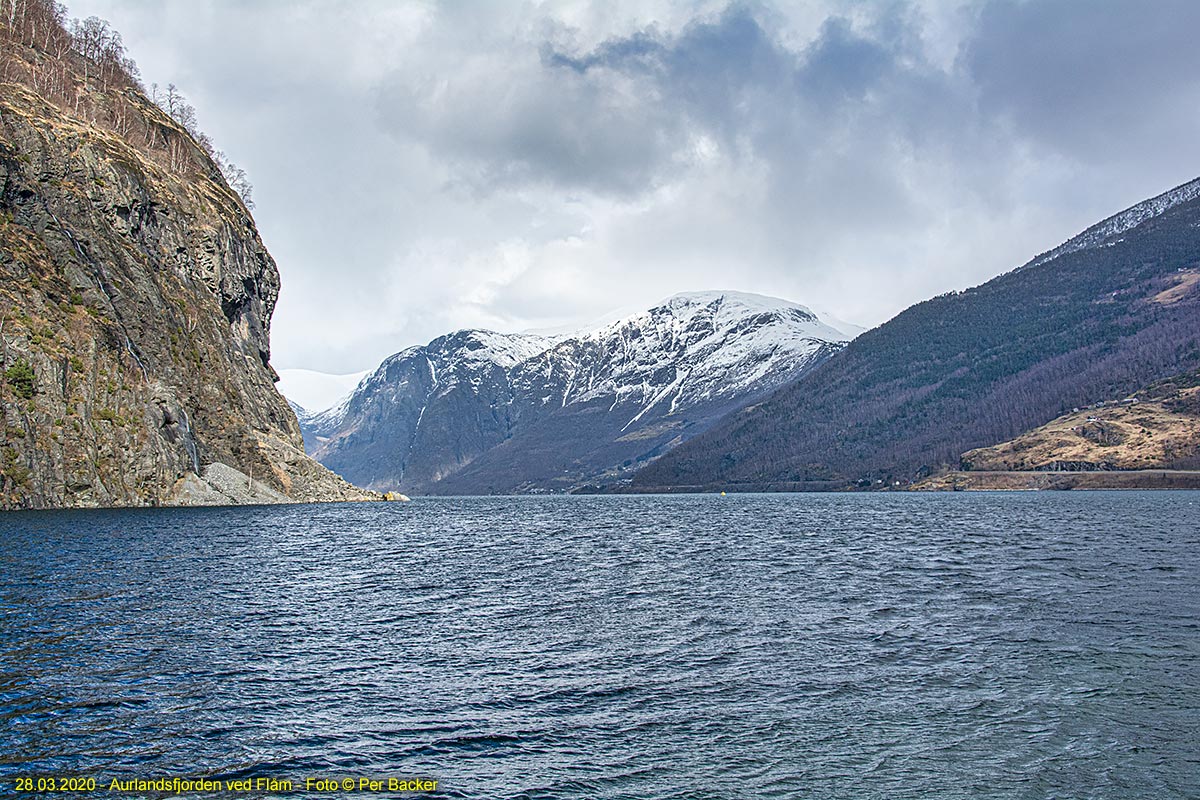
x: 825, y: 646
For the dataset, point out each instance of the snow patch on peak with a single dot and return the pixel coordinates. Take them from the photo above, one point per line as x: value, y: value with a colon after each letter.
x: 728, y: 307
x: 1128, y: 219
x: 689, y: 349
x: 729, y: 310
x: 502, y: 349
x: 318, y: 424
x: 631, y: 387
x: 745, y: 300
x: 466, y: 351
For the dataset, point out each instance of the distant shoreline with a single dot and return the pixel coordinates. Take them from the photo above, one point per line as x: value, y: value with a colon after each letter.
x: 1060, y: 480
x: 954, y: 482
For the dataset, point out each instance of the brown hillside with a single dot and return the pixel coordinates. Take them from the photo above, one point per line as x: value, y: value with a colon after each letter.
x: 1160, y: 428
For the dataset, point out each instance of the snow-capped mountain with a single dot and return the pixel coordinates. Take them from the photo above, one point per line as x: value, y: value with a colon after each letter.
x: 1099, y: 234
x: 426, y: 410
x: 316, y: 426
x: 478, y: 412
x: 1116, y: 310
x: 691, y: 349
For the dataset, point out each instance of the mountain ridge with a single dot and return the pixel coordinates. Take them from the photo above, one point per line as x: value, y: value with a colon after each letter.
x: 972, y: 368
x: 586, y: 398
x: 1095, y: 235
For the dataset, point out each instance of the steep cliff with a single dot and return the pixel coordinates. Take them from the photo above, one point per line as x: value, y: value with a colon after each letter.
x: 135, y: 309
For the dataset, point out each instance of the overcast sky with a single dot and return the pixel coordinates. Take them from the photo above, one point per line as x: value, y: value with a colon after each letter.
x: 421, y: 167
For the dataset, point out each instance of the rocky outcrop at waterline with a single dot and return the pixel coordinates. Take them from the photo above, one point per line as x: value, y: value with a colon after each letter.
x: 135, y: 308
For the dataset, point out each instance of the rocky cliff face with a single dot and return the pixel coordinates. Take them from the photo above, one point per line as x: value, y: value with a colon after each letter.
x: 136, y: 306
x: 426, y: 412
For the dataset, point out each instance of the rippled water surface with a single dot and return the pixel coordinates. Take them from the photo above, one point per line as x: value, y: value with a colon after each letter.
x: 825, y: 646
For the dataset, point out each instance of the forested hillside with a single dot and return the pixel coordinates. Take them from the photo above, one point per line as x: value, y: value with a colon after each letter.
x: 974, y: 368
x: 1158, y: 428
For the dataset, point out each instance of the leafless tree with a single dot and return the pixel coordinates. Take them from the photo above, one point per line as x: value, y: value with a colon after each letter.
x: 83, y: 66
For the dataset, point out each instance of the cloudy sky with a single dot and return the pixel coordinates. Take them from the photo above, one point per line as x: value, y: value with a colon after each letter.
x: 421, y: 167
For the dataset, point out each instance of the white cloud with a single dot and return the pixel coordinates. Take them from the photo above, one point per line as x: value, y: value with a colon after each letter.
x: 423, y: 166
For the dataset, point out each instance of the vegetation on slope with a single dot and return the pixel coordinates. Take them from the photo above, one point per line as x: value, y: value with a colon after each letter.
x: 82, y: 67
x: 135, y: 293
x: 969, y: 369
x: 1159, y: 427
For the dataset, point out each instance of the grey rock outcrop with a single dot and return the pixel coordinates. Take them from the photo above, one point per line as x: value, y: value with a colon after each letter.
x: 136, y: 305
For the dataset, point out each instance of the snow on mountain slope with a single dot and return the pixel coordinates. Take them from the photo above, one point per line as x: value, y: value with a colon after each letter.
x: 511, y: 407
x: 488, y: 347
x: 468, y: 357
x: 1128, y: 219
x: 427, y: 409
x: 691, y: 348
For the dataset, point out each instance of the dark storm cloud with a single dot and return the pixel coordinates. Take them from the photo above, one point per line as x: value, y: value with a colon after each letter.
x: 624, y: 116
x: 516, y: 119
x: 644, y: 49
x: 719, y: 76
x: 1083, y: 80
x: 834, y: 121
x: 842, y: 66
x: 1091, y: 80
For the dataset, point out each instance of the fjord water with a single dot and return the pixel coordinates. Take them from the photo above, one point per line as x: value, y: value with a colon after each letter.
x: 883, y: 645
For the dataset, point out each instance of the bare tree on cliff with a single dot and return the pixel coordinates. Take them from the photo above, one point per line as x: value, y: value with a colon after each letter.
x: 84, y: 65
